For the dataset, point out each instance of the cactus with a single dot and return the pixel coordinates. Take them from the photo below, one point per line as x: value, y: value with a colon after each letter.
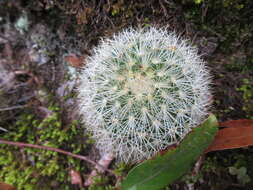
x: 142, y: 91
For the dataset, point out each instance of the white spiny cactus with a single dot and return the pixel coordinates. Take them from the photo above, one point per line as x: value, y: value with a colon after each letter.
x: 142, y: 91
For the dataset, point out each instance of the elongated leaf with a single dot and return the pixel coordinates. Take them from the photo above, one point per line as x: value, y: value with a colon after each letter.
x: 237, y: 123
x: 163, y: 170
x: 239, y: 133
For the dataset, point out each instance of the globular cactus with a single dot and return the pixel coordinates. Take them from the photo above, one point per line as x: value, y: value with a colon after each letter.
x: 142, y: 91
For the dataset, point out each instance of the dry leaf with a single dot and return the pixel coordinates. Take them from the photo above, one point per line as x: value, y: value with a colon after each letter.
x: 237, y: 123
x: 75, y: 177
x: 239, y: 133
x: 74, y: 60
x: 4, y: 186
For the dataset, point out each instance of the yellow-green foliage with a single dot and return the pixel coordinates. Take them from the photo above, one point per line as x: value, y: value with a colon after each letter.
x: 198, y: 1
x: 100, y: 183
x: 121, y: 169
x: 30, y: 169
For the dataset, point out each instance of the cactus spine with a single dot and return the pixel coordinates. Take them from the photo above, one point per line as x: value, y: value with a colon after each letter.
x: 142, y: 91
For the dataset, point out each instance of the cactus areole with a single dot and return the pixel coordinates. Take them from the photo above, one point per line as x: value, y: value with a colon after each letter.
x: 141, y: 91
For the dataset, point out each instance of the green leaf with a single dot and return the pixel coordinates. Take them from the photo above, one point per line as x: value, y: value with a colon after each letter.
x: 163, y: 170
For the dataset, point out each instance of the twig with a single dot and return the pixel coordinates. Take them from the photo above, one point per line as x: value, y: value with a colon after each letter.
x: 105, y: 162
x: 198, y: 165
x: 163, y: 8
x: 12, y: 108
x: 5, y: 38
x: 19, y: 144
x: 204, y: 11
x: 190, y: 186
x: 45, y: 111
x: 3, y: 129
x: 195, y: 171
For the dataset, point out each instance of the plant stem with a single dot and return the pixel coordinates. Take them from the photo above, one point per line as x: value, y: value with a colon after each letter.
x: 12, y: 108
x: 20, y: 144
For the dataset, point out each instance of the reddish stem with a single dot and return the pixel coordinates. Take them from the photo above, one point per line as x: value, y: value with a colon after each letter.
x: 19, y: 144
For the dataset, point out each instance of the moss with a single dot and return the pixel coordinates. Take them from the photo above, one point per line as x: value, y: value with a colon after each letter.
x: 217, y: 166
x: 220, y: 163
x: 100, y: 183
x: 41, y: 169
x: 121, y: 169
x: 221, y: 20
x: 247, y: 93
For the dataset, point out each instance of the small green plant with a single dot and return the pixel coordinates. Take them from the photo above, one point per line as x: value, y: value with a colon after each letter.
x: 198, y: 1
x: 192, y: 179
x: 122, y: 169
x: 241, y: 174
x: 100, y: 183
